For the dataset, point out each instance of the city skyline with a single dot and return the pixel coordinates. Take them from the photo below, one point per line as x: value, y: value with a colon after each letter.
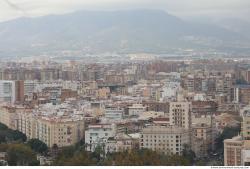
x: 125, y: 83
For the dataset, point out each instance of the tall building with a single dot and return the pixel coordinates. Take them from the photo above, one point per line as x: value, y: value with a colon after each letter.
x: 19, y: 90
x: 7, y: 91
x: 11, y: 91
x: 180, y: 114
x: 236, y: 150
x: 245, y: 127
x: 232, y: 151
x: 202, y: 133
x: 29, y: 87
x: 241, y: 94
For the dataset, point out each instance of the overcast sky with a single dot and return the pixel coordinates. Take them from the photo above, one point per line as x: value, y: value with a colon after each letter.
x: 183, y: 8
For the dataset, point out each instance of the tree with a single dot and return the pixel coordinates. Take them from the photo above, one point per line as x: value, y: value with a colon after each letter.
x: 9, y: 135
x: 38, y: 146
x: 144, y: 157
x: 18, y: 136
x: 74, y: 158
x: 200, y: 163
x: 3, y: 126
x: 227, y: 133
x: 188, y: 153
x: 99, y: 152
x: 2, y: 138
x: 20, y: 155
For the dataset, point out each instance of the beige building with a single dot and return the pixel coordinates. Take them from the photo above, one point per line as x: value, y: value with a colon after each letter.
x: 63, y: 128
x: 26, y: 123
x: 164, y: 139
x: 232, y: 151
x: 8, y: 116
x: 103, y: 93
x: 121, y: 142
x: 61, y: 131
x: 237, y: 149
x: 180, y: 114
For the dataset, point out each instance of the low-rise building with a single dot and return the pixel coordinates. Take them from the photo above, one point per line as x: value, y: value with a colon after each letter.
x: 114, y: 113
x: 121, y: 142
x: 98, y: 134
x: 164, y: 139
x: 136, y: 109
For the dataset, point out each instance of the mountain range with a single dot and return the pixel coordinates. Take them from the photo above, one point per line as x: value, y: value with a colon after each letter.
x: 127, y: 31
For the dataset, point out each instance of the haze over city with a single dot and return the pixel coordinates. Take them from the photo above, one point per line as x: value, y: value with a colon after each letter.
x: 182, y: 8
x: 125, y: 83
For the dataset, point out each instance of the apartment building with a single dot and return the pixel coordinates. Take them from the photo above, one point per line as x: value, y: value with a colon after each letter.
x: 164, y: 139
x: 51, y: 124
x: 26, y: 122
x: 11, y: 91
x: 8, y: 116
x: 7, y: 91
x: 60, y: 131
x: 136, y: 109
x: 202, y: 133
x: 180, y: 114
x: 236, y: 150
x: 156, y: 106
x: 114, y: 113
x: 245, y: 127
x: 232, y: 151
x: 98, y: 134
x: 122, y: 142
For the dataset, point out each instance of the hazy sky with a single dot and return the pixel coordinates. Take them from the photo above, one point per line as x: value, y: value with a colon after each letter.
x: 183, y: 8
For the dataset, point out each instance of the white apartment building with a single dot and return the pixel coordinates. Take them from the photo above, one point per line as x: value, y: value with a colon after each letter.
x: 164, y: 139
x: 98, y: 134
x: 245, y: 158
x: 169, y: 90
x: 7, y: 91
x: 136, y: 109
x: 121, y: 142
x: 114, y: 113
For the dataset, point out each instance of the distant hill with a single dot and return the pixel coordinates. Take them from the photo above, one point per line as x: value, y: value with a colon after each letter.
x: 121, y: 31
